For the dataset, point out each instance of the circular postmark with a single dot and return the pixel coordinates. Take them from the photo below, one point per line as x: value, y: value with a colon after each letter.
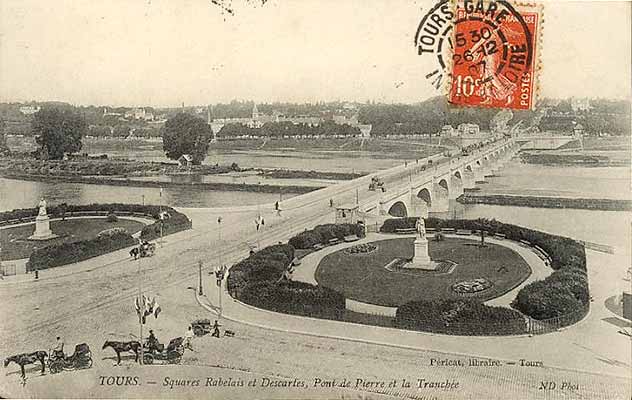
x: 490, y: 46
x: 433, y: 38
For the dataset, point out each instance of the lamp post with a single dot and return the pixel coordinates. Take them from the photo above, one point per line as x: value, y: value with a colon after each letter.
x: 140, y: 317
x: 200, y: 292
x: 160, y: 215
x: 219, y: 274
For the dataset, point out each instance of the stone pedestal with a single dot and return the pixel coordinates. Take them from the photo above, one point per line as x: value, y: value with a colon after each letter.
x: 421, y: 259
x: 42, y: 229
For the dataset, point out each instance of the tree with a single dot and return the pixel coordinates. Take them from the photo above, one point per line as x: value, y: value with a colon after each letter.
x: 186, y: 134
x: 58, y: 131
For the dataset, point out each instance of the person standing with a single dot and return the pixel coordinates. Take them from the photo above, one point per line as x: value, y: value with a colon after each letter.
x: 216, y: 326
x: 58, y: 350
x: 188, y: 336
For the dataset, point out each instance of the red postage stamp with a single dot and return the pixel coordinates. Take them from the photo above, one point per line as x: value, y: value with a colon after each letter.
x: 494, y: 60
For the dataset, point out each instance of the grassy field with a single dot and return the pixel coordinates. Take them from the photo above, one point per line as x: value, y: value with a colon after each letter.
x: 364, y: 278
x: 613, y: 143
x: 16, y: 246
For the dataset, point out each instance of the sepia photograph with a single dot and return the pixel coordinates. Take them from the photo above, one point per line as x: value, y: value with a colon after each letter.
x: 316, y: 199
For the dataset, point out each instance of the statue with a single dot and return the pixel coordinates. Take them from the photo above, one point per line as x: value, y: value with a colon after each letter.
x: 421, y: 227
x: 42, y: 224
x: 42, y: 207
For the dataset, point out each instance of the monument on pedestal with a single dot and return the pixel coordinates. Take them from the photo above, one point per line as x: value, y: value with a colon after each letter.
x: 421, y: 259
x: 42, y: 224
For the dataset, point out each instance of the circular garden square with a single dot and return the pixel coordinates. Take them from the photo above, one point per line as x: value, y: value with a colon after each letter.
x: 15, y: 243
x: 363, y: 277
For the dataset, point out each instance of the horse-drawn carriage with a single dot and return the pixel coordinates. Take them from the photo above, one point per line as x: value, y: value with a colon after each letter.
x: 201, y: 327
x: 376, y: 183
x: 172, y: 354
x: 144, y: 250
x: 80, y: 359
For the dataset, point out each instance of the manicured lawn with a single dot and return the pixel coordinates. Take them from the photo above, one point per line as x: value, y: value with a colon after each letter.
x: 15, y: 245
x: 364, y: 278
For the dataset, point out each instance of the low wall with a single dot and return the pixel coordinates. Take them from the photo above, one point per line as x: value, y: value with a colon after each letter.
x: 359, y: 307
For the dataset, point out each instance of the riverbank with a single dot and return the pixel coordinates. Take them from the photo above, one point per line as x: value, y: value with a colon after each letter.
x: 547, y: 202
x: 214, y: 186
x: 577, y: 158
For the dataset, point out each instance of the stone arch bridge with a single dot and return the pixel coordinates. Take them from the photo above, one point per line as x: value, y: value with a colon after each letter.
x: 430, y: 188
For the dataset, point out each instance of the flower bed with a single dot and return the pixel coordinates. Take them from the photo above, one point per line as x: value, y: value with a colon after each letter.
x: 364, y: 248
x: 471, y: 287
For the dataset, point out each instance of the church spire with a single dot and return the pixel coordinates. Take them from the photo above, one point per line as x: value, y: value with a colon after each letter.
x: 255, y: 112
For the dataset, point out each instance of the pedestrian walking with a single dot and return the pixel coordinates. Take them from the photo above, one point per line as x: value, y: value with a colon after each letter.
x: 216, y: 326
x: 331, y: 203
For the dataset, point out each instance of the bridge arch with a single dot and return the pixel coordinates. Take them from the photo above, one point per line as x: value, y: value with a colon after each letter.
x: 444, y: 184
x: 425, y: 195
x: 457, y: 180
x: 398, y: 209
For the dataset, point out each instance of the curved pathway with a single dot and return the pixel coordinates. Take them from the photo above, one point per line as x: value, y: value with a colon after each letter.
x: 306, y: 272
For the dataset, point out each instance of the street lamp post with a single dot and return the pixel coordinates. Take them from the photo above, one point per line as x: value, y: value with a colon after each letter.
x: 140, y: 316
x: 219, y: 274
x: 160, y: 215
x: 200, y: 292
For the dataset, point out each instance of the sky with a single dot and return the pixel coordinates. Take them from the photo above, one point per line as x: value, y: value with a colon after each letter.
x: 163, y: 52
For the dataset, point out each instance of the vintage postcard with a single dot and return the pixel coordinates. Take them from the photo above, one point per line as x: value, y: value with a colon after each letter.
x: 315, y: 199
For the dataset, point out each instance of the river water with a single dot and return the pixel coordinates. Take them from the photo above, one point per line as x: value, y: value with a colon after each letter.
x: 605, y: 227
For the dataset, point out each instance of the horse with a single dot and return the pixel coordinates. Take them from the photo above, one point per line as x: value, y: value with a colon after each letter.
x: 27, y: 358
x: 134, y: 253
x: 118, y: 347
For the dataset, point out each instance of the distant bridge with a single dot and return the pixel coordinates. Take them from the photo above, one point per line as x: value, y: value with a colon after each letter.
x: 417, y: 191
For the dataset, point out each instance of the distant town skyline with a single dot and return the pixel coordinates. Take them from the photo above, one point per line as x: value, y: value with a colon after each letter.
x: 160, y: 53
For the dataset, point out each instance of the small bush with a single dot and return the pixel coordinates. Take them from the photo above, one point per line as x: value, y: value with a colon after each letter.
x: 111, y: 217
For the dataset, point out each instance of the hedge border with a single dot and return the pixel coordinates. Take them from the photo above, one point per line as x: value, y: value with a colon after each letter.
x: 316, y: 301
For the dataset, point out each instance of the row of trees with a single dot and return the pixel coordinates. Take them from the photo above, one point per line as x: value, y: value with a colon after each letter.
x: 611, y: 116
x: 615, y: 124
x: 59, y: 131
x: 280, y: 129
